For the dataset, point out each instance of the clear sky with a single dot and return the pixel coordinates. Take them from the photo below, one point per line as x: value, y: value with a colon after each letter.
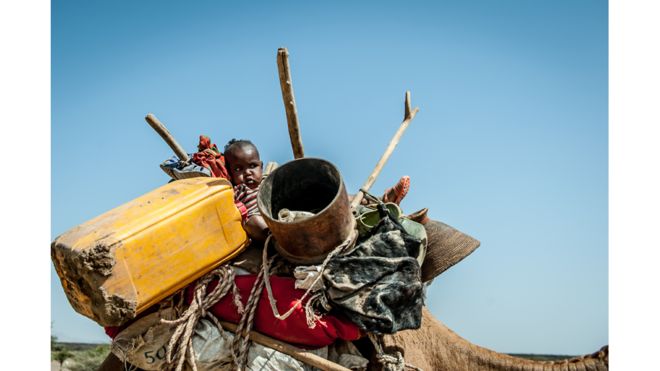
x: 509, y: 146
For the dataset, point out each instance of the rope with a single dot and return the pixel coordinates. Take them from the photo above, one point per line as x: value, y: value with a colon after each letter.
x: 371, y: 197
x: 311, y: 321
x: 241, y: 343
x: 240, y: 346
x: 179, y: 348
x: 390, y: 362
x: 310, y: 313
x: 128, y: 366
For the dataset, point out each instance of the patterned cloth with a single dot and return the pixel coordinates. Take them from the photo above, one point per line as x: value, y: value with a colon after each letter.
x: 378, y: 284
x: 177, y: 169
x: 247, y: 197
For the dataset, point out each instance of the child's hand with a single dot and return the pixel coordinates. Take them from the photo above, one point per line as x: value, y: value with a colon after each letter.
x: 256, y: 228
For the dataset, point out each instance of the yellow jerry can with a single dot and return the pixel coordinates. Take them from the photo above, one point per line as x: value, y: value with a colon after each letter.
x: 120, y: 263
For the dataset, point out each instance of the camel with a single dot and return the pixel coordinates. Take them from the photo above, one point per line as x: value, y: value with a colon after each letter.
x: 436, y: 347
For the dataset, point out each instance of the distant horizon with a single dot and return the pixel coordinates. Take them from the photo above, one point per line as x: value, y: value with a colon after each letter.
x: 510, y: 145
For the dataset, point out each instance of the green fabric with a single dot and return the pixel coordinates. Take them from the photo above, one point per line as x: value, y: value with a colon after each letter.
x: 367, y: 218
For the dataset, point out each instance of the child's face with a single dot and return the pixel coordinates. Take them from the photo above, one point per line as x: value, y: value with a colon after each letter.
x: 245, y: 167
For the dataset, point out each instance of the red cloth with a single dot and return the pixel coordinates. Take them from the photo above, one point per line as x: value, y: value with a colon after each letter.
x: 210, y: 157
x: 294, y: 329
x: 242, y: 209
x: 112, y: 331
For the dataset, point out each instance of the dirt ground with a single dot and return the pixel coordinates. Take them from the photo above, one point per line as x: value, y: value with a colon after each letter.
x: 55, y: 366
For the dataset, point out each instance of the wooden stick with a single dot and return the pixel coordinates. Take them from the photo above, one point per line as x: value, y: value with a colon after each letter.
x: 408, y: 116
x: 169, y: 139
x: 297, y: 353
x: 272, y: 165
x: 289, y: 102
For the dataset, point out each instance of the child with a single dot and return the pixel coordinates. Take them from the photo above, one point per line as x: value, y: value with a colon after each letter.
x: 245, y: 172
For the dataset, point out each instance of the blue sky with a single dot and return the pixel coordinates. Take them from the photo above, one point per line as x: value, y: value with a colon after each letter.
x: 509, y: 146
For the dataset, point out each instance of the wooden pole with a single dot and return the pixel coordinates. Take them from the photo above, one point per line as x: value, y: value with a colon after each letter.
x: 169, y: 139
x: 272, y: 165
x: 289, y: 102
x: 297, y: 353
x: 408, y: 116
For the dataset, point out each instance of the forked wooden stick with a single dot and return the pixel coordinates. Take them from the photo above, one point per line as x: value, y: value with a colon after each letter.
x: 297, y: 353
x: 289, y: 102
x: 407, y: 118
x: 169, y: 139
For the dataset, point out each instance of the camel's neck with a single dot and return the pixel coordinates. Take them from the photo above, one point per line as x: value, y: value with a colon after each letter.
x: 436, y: 347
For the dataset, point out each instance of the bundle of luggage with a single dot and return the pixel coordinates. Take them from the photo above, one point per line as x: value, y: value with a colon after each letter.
x: 181, y: 277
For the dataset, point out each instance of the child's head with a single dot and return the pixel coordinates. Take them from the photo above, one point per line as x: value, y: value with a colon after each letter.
x: 243, y: 163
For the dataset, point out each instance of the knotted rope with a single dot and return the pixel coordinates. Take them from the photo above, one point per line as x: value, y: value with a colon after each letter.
x: 390, y: 362
x: 309, y: 311
x: 241, y: 343
x: 180, y: 348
